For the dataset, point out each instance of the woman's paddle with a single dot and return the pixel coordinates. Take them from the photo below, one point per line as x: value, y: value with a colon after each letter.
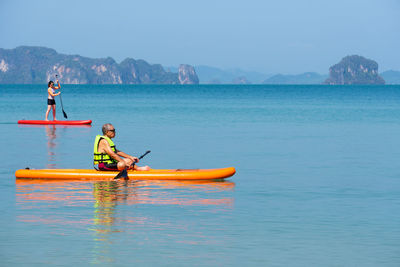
x: 62, y: 107
x: 124, y: 173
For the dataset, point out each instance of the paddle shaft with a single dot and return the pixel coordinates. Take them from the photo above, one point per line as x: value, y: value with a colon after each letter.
x: 62, y: 107
x: 124, y: 173
x: 142, y: 156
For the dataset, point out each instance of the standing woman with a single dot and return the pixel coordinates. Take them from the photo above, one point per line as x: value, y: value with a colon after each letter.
x: 51, y: 103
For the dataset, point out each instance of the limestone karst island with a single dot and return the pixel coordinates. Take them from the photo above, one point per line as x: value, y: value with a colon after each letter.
x: 354, y: 70
x: 30, y: 65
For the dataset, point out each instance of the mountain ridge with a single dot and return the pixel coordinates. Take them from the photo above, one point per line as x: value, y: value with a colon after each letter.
x: 32, y: 64
x: 35, y: 64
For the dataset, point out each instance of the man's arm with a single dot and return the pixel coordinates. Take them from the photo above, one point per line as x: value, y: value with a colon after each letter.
x: 123, y: 154
x: 105, y: 146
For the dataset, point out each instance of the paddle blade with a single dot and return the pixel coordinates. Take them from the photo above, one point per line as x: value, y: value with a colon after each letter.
x: 65, y: 114
x: 122, y: 174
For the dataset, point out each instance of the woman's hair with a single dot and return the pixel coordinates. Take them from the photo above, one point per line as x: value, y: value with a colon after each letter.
x: 51, y: 82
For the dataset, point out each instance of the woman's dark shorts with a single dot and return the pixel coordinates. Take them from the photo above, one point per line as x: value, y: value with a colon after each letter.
x: 108, y: 166
x: 51, y: 102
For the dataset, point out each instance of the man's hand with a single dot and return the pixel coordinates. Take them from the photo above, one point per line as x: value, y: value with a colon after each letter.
x: 134, y: 159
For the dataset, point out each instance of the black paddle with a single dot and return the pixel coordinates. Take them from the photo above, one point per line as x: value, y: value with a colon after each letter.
x: 62, y: 107
x: 124, y: 173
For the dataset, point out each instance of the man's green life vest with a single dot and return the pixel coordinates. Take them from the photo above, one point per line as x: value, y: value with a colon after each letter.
x: 102, y: 157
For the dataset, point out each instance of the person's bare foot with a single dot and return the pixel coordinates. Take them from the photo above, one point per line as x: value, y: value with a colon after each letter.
x: 144, y: 168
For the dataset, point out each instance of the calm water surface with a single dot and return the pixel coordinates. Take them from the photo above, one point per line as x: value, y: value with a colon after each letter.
x: 317, y: 182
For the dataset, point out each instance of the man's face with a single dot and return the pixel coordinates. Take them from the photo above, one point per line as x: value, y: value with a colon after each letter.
x: 111, y: 132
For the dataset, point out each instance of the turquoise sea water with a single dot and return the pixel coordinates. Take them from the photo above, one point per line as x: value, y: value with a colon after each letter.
x: 317, y: 182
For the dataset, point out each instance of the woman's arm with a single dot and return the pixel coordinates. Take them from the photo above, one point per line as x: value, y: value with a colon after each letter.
x: 57, y: 87
x: 51, y: 93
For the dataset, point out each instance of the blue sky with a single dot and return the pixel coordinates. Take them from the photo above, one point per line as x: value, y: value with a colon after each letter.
x: 266, y: 36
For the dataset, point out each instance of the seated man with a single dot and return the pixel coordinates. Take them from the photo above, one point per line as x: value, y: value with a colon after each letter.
x: 108, y: 157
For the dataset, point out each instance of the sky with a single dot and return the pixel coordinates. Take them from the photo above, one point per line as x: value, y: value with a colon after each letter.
x: 285, y: 36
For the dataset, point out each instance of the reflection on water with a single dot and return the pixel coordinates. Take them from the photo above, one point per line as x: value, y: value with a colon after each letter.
x: 54, y: 136
x: 102, y: 207
x: 51, y: 145
x: 107, y: 195
x: 128, y: 192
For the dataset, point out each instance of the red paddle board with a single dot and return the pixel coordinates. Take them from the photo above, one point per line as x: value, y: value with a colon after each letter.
x: 81, y: 122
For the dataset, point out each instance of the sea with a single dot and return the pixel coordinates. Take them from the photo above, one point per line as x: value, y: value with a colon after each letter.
x: 317, y: 178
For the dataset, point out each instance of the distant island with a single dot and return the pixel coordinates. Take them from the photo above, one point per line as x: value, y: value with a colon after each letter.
x: 30, y: 65
x: 354, y: 70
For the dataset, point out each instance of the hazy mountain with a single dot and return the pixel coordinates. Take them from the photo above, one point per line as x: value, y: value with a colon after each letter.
x: 391, y: 76
x: 209, y: 75
x: 304, y: 78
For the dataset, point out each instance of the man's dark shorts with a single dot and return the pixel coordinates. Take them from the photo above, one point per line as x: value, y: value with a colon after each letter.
x: 51, y: 102
x: 108, y: 166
